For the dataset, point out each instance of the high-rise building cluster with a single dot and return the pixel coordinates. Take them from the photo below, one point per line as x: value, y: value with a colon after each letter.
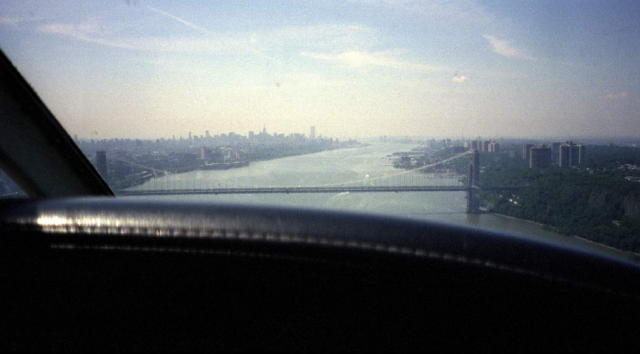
x: 485, y: 145
x: 566, y: 154
x: 571, y: 154
x: 252, y: 135
x: 526, y: 151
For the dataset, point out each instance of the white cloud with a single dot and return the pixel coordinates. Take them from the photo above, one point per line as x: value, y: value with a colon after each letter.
x: 180, y: 19
x: 17, y: 20
x: 459, y: 79
x: 358, y: 59
x: 462, y: 11
x: 504, y: 48
x: 75, y: 30
x: 616, y: 95
x: 329, y: 36
x: 9, y: 20
x: 90, y: 32
x: 323, y: 37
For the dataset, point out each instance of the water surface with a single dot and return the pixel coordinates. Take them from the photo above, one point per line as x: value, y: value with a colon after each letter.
x: 367, y: 165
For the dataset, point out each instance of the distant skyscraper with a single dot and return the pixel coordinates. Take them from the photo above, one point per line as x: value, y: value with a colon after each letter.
x: 251, y: 134
x: 189, y: 135
x: 526, y: 154
x: 101, y: 163
x: 204, y: 153
x: 494, y: 147
x: 581, y: 155
x: 485, y: 145
x: 312, y: 132
x: 564, y: 158
x: 571, y: 154
x: 540, y: 157
x: 555, y: 152
x: 206, y: 133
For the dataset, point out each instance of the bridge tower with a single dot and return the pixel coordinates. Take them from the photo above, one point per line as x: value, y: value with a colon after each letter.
x: 473, y: 183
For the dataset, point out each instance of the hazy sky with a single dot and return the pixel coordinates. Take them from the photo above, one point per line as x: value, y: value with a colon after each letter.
x: 358, y: 68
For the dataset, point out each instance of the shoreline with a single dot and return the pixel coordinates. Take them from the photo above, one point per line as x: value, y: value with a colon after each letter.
x: 546, y: 226
x: 635, y: 254
x: 553, y: 229
x: 240, y: 165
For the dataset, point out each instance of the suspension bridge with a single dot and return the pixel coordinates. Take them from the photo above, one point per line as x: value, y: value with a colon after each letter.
x: 403, y: 181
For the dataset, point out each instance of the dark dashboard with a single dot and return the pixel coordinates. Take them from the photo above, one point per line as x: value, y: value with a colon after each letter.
x: 109, y: 274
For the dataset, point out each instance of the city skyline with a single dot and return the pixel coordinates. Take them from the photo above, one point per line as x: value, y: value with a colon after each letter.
x: 209, y: 134
x: 353, y: 68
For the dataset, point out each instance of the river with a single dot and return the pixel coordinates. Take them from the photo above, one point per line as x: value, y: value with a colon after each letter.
x: 366, y: 165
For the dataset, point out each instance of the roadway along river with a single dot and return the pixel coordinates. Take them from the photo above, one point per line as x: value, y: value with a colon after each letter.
x: 355, y: 166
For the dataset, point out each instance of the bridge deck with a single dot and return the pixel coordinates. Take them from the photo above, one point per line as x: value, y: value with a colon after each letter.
x: 287, y: 190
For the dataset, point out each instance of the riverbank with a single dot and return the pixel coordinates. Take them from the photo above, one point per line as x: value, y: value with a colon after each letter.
x: 544, y: 226
x: 142, y: 178
x: 582, y: 241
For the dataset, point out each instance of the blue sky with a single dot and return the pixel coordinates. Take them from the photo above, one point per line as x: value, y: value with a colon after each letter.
x: 356, y: 68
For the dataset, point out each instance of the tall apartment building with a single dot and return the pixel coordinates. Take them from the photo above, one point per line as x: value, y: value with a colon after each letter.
x: 540, y: 157
x: 571, y: 154
x: 526, y: 153
x: 555, y: 152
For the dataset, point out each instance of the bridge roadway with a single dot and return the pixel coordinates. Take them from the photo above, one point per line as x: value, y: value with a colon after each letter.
x: 287, y: 190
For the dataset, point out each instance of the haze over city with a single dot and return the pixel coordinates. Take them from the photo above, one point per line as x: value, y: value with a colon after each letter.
x: 358, y: 68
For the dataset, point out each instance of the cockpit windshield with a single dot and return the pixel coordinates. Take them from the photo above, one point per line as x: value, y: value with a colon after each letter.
x: 517, y: 116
